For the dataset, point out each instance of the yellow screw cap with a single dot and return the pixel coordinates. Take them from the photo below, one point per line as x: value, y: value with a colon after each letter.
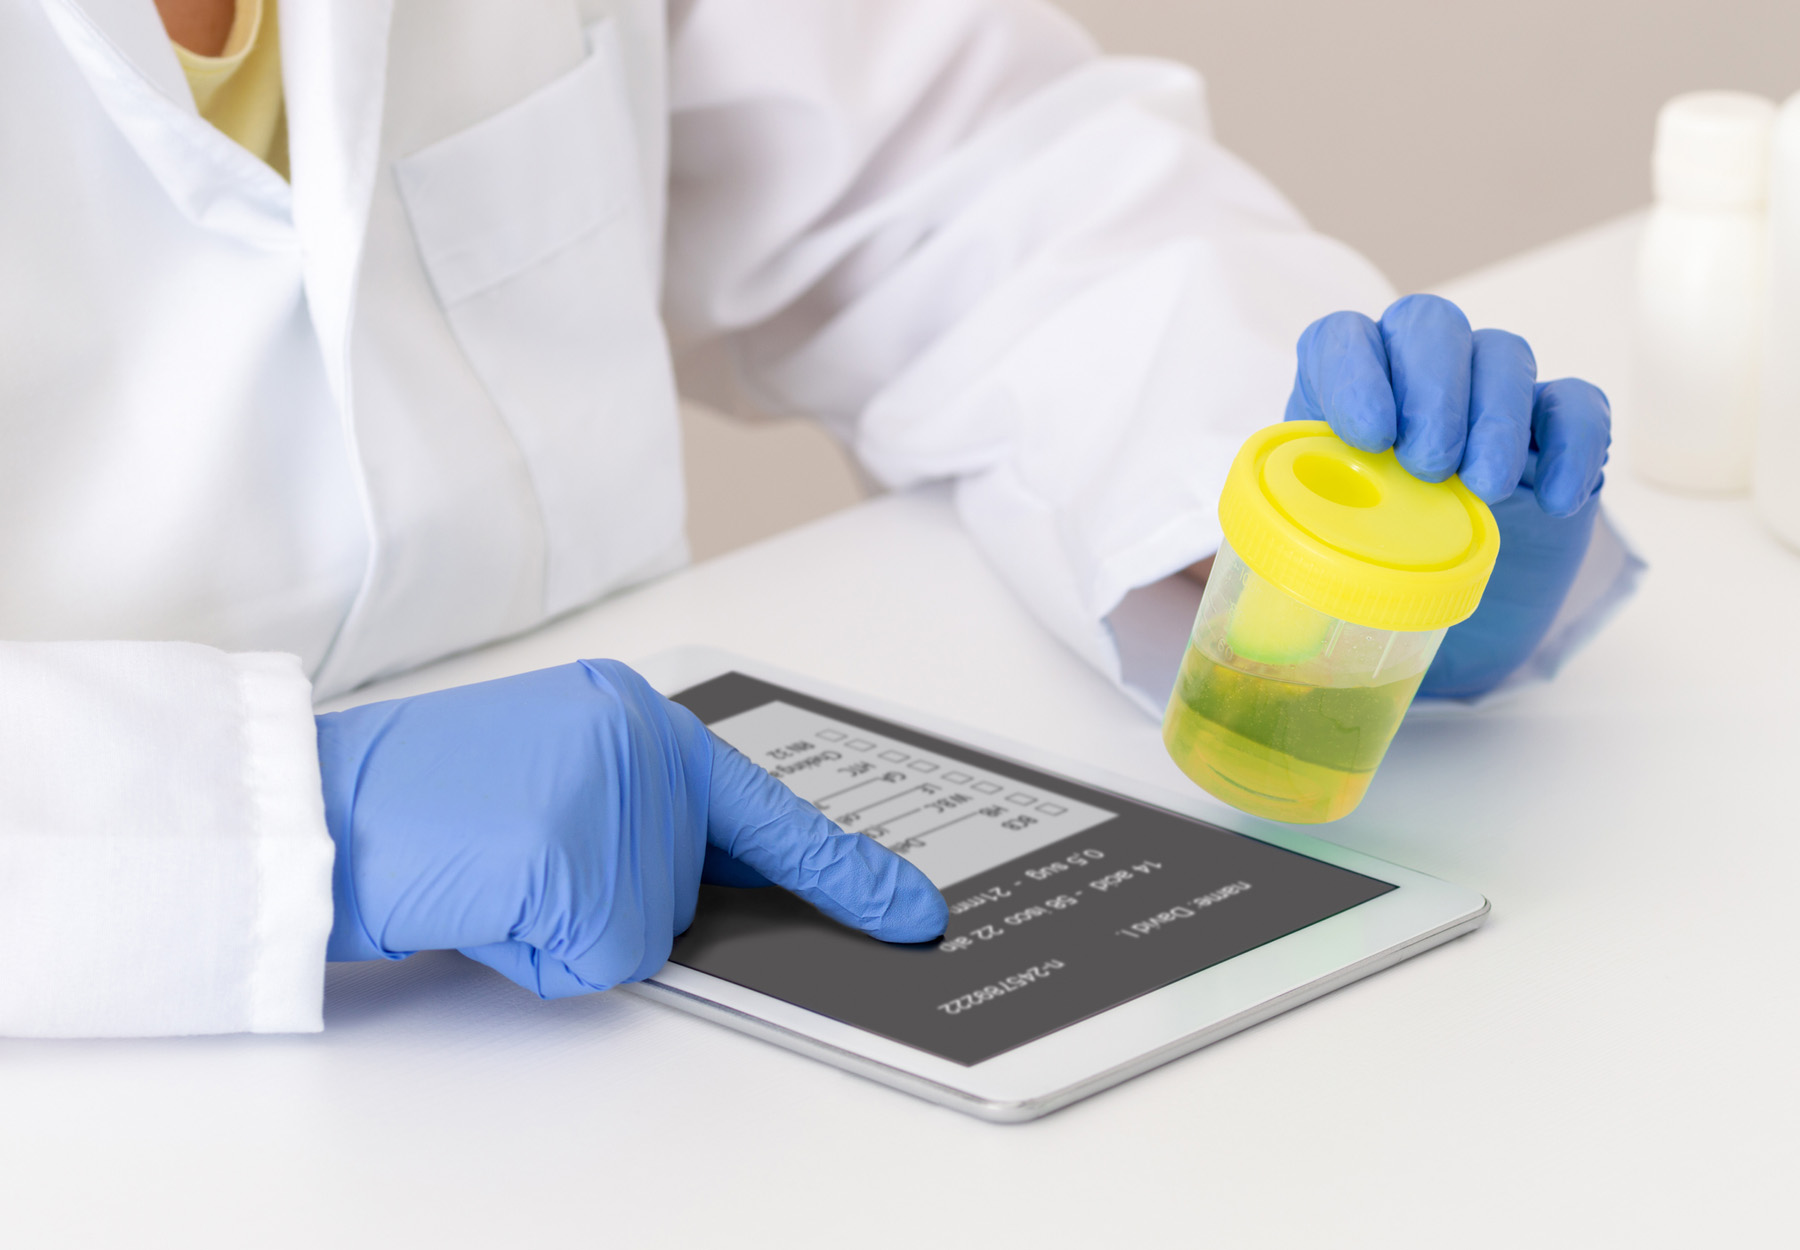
x: 1352, y: 534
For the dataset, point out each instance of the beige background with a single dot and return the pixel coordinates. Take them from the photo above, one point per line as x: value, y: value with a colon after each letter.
x: 1434, y: 135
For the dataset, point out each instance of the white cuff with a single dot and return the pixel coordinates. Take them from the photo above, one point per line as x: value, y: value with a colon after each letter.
x: 164, y: 862
x: 1150, y: 627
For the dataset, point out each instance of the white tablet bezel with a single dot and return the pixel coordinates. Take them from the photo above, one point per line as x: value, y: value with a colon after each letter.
x: 1118, y: 1043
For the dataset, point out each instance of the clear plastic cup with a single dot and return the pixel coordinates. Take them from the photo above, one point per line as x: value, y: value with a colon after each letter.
x: 1281, y: 710
x: 1338, y: 578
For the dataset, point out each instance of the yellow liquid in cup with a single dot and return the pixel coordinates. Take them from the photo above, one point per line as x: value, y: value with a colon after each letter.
x: 1304, y: 754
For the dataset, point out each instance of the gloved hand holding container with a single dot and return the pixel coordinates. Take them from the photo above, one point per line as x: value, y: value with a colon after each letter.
x: 1339, y: 575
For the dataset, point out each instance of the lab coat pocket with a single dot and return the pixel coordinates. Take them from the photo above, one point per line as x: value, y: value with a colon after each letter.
x: 533, y: 228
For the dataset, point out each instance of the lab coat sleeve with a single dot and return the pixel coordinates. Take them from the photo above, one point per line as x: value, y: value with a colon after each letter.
x: 164, y: 862
x: 978, y: 250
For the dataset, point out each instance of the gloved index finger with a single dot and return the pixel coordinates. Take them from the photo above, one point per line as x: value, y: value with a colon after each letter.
x: 1343, y: 379
x: 759, y: 822
x: 1429, y: 346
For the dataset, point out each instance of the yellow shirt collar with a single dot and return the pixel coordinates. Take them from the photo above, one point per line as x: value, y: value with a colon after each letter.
x: 239, y: 91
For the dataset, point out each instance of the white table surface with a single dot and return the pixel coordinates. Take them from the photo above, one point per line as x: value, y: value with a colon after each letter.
x: 1610, y: 1062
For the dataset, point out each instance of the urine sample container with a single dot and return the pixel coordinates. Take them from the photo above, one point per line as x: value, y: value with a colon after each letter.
x: 1338, y: 577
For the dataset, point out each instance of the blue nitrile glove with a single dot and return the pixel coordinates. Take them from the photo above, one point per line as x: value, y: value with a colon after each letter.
x: 1451, y: 400
x: 557, y: 825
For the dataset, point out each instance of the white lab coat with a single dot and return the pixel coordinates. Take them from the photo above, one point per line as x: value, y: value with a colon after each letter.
x: 426, y: 397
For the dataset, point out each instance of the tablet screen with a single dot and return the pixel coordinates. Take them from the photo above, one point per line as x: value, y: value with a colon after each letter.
x: 1064, y: 900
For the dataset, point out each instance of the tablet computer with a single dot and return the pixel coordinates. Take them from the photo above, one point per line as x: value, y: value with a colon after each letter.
x: 1097, y: 929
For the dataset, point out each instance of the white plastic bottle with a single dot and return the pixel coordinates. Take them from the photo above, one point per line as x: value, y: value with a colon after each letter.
x: 1776, y: 478
x: 1696, y: 367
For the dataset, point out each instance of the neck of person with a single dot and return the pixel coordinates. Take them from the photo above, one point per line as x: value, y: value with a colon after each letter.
x: 200, y: 26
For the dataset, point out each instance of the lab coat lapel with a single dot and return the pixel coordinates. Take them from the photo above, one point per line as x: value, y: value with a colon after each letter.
x: 131, y: 35
x: 334, y: 70
x: 123, y: 51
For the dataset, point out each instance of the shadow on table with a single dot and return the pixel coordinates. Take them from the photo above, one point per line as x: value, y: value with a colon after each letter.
x: 443, y: 989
